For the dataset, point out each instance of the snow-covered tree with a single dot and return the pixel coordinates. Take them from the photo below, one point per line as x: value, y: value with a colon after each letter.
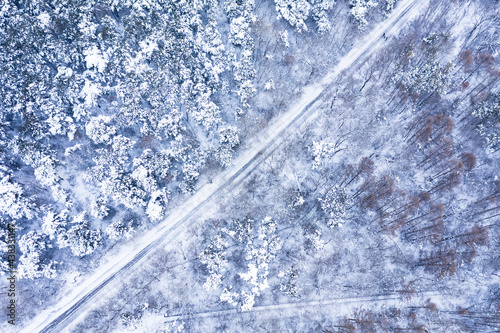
x: 488, y: 114
x: 389, y: 5
x: 288, y: 282
x: 79, y: 237
x: 45, y: 171
x: 359, y: 9
x: 191, y: 170
x: 206, y: 112
x: 151, y: 168
x: 334, y: 204
x: 429, y: 77
x: 260, y: 243
x: 319, y: 9
x: 314, y: 239
x: 100, y: 130
x: 170, y: 124
x: 98, y: 208
x: 32, y: 263
x: 240, y: 229
x: 260, y: 252
x: 294, y: 12
x: 52, y: 223
x: 238, y: 30
x: 213, y: 256
x: 228, y: 140
x: 322, y: 152
x: 156, y: 206
x: 13, y: 202
x: 122, y: 228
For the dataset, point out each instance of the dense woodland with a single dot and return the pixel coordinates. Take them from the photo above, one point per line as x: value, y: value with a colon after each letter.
x: 112, y: 113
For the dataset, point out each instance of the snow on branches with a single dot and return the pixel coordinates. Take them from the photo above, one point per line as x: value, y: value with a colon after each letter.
x: 294, y: 12
x: 322, y: 153
x: 32, y: 264
x: 260, y: 243
x: 359, y: 9
x: 334, y: 204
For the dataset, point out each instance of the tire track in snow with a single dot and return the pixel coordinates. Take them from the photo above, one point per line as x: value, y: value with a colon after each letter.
x: 347, y: 304
x: 73, y: 306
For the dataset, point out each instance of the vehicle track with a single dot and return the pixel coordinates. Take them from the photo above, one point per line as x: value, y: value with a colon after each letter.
x: 73, y: 306
x: 347, y: 303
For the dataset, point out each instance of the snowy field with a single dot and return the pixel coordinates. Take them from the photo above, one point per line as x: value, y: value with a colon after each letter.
x: 288, y: 166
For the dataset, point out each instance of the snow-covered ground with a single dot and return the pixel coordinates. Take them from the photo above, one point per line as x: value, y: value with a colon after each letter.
x: 339, y: 306
x: 74, y: 305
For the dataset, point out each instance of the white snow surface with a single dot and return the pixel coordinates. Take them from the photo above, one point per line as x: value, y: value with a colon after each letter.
x: 340, y: 306
x: 269, y: 138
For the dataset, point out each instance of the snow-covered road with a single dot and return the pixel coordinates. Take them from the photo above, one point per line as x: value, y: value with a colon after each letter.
x: 74, y: 305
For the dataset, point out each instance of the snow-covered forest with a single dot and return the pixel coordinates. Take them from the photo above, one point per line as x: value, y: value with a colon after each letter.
x: 345, y: 153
